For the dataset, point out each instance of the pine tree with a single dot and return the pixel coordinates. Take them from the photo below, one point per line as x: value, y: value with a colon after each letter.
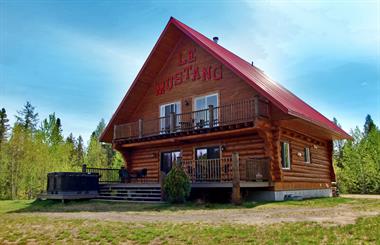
x: 96, y: 155
x: 51, y: 129
x: 100, y: 128
x: 110, y: 153
x: 338, y: 148
x: 368, y: 125
x: 70, y: 142
x: 27, y: 118
x: 80, y: 151
x: 4, y: 126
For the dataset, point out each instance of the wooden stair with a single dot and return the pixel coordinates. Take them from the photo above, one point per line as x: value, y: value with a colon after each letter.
x: 143, y: 193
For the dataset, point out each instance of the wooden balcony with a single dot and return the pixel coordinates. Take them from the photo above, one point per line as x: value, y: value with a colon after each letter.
x: 242, y: 112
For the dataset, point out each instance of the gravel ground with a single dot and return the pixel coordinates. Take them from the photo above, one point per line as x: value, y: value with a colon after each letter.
x: 338, y: 215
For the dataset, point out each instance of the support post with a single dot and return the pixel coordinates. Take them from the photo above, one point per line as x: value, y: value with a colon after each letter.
x: 236, y: 198
x: 84, y: 168
x: 172, y: 122
x: 211, y: 116
x: 256, y: 105
x: 162, y: 181
x: 141, y: 128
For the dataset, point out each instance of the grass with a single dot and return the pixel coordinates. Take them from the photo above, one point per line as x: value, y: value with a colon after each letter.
x: 20, y: 224
x: 104, y: 206
x: 24, y: 229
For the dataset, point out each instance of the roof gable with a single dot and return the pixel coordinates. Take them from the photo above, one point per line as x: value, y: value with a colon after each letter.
x: 277, y: 94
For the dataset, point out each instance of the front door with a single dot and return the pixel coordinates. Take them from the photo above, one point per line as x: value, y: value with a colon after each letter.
x: 168, y: 159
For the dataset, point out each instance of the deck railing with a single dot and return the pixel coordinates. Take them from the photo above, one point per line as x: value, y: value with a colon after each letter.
x: 228, y: 114
x: 255, y: 169
x: 210, y: 170
x: 220, y: 170
x: 106, y: 175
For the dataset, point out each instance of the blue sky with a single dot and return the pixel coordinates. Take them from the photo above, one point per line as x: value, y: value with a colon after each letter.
x: 78, y: 58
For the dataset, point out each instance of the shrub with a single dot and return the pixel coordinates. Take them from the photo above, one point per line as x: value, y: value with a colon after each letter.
x: 177, y: 185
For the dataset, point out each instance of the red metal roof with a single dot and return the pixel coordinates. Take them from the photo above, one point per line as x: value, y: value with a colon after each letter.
x: 277, y: 94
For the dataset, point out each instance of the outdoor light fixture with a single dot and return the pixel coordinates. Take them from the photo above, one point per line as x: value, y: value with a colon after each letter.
x: 187, y: 102
x: 222, y: 148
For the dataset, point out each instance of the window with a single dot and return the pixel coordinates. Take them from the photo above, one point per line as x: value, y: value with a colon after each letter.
x: 165, y: 111
x: 202, y: 104
x: 168, y: 159
x: 285, y: 155
x: 306, y: 155
x: 205, y: 168
x: 207, y: 153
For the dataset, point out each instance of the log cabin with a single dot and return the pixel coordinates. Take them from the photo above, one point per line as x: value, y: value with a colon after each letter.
x: 196, y: 104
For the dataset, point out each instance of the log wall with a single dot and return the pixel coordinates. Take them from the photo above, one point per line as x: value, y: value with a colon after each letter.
x: 230, y: 87
x: 149, y: 157
x: 301, y: 175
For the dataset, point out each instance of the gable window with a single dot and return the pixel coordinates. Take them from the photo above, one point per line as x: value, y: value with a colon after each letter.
x: 165, y: 111
x: 306, y: 155
x: 285, y: 155
x: 201, y: 105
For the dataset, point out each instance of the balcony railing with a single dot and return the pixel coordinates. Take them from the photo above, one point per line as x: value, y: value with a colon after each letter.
x: 220, y: 170
x: 224, y: 115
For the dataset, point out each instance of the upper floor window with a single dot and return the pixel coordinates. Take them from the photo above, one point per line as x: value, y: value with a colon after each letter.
x: 201, y: 105
x: 285, y: 155
x: 306, y: 155
x: 165, y: 111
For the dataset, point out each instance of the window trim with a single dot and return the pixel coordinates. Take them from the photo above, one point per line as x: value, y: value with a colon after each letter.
x: 178, y: 102
x: 204, y: 96
x: 309, y: 155
x: 288, y: 153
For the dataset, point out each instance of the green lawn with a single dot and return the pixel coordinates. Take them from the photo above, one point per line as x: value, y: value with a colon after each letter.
x: 104, y: 206
x: 22, y: 225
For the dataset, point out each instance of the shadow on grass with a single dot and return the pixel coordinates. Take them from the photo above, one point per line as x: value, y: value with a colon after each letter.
x: 106, y: 206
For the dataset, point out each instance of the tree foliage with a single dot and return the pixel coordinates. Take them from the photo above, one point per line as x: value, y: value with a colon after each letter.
x: 4, y: 125
x: 177, y: 185
x: 30, y: 152
x: 358, y: 161
x: 27, y: 117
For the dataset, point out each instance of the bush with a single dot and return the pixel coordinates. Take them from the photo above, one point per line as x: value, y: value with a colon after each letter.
x: 177, y: 185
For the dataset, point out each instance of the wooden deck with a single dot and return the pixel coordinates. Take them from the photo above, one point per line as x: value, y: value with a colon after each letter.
x: 226, y: 184
x: 225, y: 117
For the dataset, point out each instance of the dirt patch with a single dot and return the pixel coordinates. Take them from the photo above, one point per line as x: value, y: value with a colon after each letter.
x: 360, y: 196
x: 339, y: 215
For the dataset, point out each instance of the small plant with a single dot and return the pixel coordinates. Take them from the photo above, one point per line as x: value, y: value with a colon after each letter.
x: 177, y: 185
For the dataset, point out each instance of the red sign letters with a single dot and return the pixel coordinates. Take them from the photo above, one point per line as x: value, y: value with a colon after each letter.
x: 189, y: 71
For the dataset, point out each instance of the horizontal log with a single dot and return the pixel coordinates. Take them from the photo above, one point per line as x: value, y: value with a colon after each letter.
x: 298, y: 179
